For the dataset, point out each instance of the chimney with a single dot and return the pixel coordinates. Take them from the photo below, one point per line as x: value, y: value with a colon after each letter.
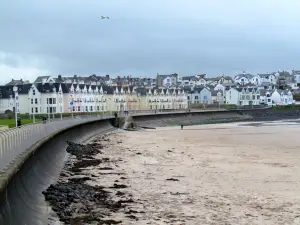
x: 59, y: 77
x: 75, y: 76
x: 107, y: 76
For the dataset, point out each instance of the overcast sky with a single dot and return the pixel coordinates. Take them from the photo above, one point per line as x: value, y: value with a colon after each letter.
x: 145, y: 37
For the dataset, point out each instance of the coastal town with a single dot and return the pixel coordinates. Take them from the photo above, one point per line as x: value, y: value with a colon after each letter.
x: 93, y: 93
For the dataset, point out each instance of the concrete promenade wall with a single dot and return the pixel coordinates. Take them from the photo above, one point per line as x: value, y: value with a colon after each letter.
x: 21, y: 200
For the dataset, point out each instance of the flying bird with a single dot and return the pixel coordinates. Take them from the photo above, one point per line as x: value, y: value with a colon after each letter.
x: 104, y: 17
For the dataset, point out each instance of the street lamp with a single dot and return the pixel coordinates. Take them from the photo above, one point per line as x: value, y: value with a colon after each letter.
x: 32, y: 108
x: 219, y: 95
x: 48, y: 107
x: 71, y: 105
x: 60, y: 106
x: 15, y: 90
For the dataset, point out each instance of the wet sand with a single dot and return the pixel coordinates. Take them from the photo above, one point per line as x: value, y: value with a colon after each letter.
x: 212, y: 174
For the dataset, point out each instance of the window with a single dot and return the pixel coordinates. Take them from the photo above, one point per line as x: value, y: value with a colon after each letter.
x: 54, y: 100
x: 196, y: 97
x: 54, y: 109
x: 50, y: 101
x: 98, y: 108
x: 36, y: 109
x: 47, y: 101
x: 86, y: 109
x: 31, y: 110
x: 91, y: 108
x: 33, y: 92
x: 253, y: 97
x: 36, y: 101
x: 102, y: 108
x: 73, y: 108
x: 47, y: 109
x: 32, y: 101
x: 78, y: 108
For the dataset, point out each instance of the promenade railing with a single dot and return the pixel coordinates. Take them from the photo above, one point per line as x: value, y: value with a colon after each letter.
x: 16, y: 141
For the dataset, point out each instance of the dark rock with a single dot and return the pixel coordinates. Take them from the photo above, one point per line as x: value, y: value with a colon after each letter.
x: 119, y: 186
x: 172, y: 179
x: 119, y: 193
x: 106, y: 168
x: 82, y: 151
x: 87, y: 163
x: 132, y: 217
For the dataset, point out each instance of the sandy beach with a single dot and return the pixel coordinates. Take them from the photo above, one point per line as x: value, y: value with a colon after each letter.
x: 209, y: 174
x: 214, y: 174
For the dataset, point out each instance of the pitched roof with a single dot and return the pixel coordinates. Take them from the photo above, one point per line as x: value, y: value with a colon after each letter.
x: 15, y: 82
x: 46, y: 88
x: 142, y: 91
x: 64, y: 87
x: 40, y: 79
x: 193, y: 78
x: 5, y: 92
x: 247, y: 75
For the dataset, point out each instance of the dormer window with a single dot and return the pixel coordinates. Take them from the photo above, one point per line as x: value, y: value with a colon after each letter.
x: 33, y: 92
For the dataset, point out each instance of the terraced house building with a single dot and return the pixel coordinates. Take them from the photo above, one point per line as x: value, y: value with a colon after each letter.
x: 243, y: 96
x: 164, y: 98
x: 46, y: 96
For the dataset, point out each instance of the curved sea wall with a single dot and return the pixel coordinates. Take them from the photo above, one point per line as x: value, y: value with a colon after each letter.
x: 198, y: 118
x: 22, y: 201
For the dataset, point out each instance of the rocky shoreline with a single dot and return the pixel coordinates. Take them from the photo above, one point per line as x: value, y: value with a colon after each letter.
x: 78, y: 199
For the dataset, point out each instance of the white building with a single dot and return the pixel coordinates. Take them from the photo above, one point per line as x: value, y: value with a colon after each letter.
x: 244, y: 79
x: 268, y: 78
x: 276, y: 97
x: 243, y: 96
x: 296, y: 76
x: 166, y: 99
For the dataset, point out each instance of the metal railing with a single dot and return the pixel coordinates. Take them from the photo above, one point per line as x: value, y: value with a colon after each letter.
x: 16, y: 141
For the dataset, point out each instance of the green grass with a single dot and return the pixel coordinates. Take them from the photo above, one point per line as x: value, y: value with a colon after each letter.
x: 11, y: 122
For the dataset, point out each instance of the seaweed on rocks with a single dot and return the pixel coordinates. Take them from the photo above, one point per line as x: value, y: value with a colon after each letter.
x: 77, y: 202
x: 81, y: 151
x: 87, y: 163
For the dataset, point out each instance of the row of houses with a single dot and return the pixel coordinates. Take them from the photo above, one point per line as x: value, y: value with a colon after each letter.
x: 94, y: 93
x: 49, y: 96
x: 281, y: 79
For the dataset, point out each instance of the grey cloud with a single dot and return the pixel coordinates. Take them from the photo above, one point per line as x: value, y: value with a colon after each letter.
x: 149, y: 36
